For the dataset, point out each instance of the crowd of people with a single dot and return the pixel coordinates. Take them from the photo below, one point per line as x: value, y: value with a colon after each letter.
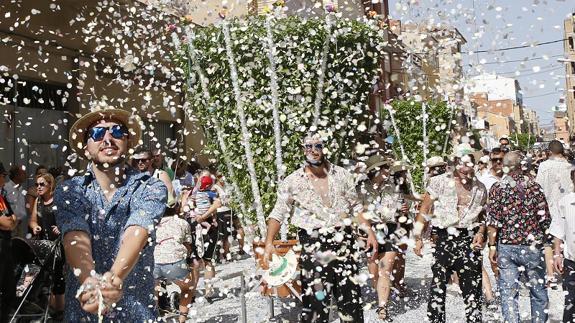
x: 520, y: 205
x: 132, y: 223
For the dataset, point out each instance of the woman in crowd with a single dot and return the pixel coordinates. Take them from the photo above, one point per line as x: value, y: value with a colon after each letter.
x: 199, y: 207
x: 43, y: 226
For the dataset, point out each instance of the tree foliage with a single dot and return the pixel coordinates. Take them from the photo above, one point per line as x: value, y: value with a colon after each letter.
x: 408, y: 115
x: 352, y: 69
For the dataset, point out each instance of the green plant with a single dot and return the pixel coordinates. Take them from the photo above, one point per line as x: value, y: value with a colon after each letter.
x: 409, y: 121
x: 352, y: 67
x: 523, y: 141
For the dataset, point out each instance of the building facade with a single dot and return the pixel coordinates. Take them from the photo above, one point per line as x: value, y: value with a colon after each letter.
x: 53, y: 70
x: 561, y: 126
x: 430, y: 48
x: 492, y: 93
x: 569, y: 52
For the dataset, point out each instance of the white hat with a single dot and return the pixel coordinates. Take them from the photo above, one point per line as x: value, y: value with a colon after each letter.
x: 282, y: 269
x: 484, y: 159
x: 435, y: 161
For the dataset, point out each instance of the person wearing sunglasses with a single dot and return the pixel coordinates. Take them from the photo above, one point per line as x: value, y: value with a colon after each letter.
x: 106, y: 217
x: 495, y: 172
x: 43, y: 225
x: 143, y: 160
x: 324, y: 203
x: 454, y: 206
x: 43, y: 220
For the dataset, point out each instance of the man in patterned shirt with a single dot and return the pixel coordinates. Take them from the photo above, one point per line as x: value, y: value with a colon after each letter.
x: 518, y: 220
x: 324, y: 203
x: 454, y: 205
x: 107, y: 218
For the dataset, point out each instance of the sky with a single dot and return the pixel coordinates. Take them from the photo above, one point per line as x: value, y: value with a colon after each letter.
x: 498, y: 24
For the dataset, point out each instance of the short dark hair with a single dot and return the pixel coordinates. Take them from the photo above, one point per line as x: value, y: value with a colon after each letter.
x: 13, y: 172
x: 143, y: 150
x: 556, y: 147
x: 496, y: 150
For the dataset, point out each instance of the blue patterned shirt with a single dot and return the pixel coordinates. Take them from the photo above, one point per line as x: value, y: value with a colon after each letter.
x: 82, y: 206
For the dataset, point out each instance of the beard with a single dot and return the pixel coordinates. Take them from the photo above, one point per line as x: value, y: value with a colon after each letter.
x: 105, y: 165
x: 315, y: 163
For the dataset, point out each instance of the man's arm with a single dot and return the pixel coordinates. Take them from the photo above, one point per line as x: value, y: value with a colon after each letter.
x: 420, y: 221
x: 8, y: 223
x: 78, y: 250
x: 165, y: 178
x: 211, y: 211
x: 269, y: 249
x: 134, y: 240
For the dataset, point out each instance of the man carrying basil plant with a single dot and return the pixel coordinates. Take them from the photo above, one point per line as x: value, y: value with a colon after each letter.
x: 324, y: 203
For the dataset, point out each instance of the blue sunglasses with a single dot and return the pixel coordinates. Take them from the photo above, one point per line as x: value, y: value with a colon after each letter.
x: 98, y: 133
x: 311, y: 146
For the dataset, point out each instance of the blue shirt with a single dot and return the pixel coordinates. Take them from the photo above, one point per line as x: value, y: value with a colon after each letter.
x: 82, y: 206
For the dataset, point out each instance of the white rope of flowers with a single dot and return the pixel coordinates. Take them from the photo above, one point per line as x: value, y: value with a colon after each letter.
x: 425, y: 140
x: 277, y: 127
x: 206, y: 93
x: 403, y: 155
x: 244, y: 129
x: 452, y: 110
x: 320, y: 82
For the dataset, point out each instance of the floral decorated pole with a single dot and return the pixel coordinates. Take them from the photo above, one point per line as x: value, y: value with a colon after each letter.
x: 274, y: 91
x: 425, y: 139
x: 321, y: 80
x: 451, y: 111
x: 244, y: 128
x: 206, y: 93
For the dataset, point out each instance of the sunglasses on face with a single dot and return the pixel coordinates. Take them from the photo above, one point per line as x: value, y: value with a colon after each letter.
x: 117, y: 132
x: 312, y: 146
x: 141, y: 160
x: 497, y: 160
x: 40, y: 184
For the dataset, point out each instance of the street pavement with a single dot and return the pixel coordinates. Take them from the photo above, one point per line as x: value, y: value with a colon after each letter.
x: 225, y: 305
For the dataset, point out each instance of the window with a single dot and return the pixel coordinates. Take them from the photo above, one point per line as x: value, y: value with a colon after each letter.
x: 7, y: 93
x: 41, y: 95
x: 573, y: 68
x: 33, y: 94
x: 571, y: 45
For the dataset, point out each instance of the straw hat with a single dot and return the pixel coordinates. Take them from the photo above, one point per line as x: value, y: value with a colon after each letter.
x: 435, y: 161
x: 399, y: 166
x: 78, y: 130
x: 282, y: 269
x: 376, y: 161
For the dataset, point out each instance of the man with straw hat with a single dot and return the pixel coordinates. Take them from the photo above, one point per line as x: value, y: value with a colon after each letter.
x: 385, y: 196
x: 324, y: 202
x: 107, y: 218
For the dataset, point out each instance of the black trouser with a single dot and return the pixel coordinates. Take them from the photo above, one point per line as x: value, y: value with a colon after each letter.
x: 7, y: 280
x: 569, y: 288
x: 453, y: 253
x: 321, y: 277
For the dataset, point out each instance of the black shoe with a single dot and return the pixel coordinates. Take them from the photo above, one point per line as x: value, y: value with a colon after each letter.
x: 164, y: 302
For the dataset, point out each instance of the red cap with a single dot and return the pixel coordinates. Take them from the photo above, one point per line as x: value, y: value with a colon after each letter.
x: 206, y: 182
